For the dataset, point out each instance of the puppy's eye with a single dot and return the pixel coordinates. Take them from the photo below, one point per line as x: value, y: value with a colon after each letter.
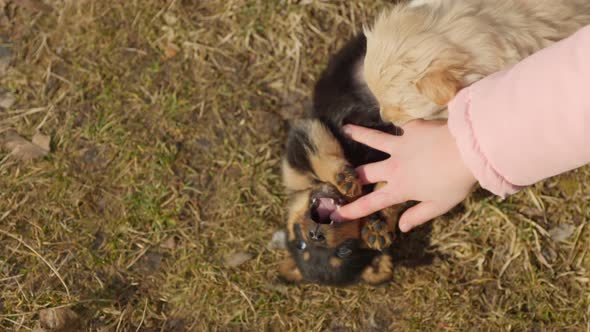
x: 301, y: 245
x: 343, y: 252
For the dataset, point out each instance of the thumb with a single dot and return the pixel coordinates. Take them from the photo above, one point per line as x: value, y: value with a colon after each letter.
x: 366, y: 205
x: 420, y: 214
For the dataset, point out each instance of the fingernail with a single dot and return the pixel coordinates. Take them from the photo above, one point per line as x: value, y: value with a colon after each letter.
x: 404, y: 227
x: 336, y: 217
x: 347, y: 130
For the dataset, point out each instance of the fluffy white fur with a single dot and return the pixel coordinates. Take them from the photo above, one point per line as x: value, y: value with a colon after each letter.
x: 421, y: 53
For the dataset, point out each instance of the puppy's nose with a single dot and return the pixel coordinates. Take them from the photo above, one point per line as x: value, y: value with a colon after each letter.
x: 317, y: 235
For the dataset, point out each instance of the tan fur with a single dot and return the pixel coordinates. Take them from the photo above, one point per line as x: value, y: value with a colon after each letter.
x: 380, y: 272
x: 296, y: 210
x: 288, y: 270
x: 420, y: 54
x: 326, y: 167
x: 336, y: 235
x: 391, y: 213
x: 293, y: 180
x: 439, y: 86
x: 326, y: 143
x: 328, y: 159
x: 335, y: 262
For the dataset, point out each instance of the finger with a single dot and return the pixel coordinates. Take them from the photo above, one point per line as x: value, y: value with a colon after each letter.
x: 364, y: 206
x: 419, y: 122
x: 371, y: 137
x: 372, y: 173
x: 420, y: 214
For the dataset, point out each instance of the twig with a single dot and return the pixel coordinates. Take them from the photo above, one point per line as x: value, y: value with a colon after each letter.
x: 142, y: 316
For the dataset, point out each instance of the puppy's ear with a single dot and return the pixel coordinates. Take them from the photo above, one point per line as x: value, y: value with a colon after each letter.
x: 444, y: 78
x: 379, y: 272
x: 289, y: 271
x: 440, y: 86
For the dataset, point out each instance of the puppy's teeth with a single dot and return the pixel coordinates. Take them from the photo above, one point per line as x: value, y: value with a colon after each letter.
x: 314, y: 200
x: 331, y: 201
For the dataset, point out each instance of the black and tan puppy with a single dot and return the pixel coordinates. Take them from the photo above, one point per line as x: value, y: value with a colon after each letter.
x: 318, y: 172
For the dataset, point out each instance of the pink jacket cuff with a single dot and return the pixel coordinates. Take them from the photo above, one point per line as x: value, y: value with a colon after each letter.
x: 474, y: 158
x: 529, y: 122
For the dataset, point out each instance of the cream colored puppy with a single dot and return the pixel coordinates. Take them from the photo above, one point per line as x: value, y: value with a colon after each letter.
x: 421, y: 53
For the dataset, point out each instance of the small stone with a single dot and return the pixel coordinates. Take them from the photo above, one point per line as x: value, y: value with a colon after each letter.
x: 7, y: 99
x: 169, y: 243
x: 61, y: 319
x: 562, y: 232
x: 279, y: 241
x: 170, y: 18
x: 237, y: 258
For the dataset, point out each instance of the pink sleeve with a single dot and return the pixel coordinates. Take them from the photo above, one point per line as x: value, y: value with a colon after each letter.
x: 529, y: 122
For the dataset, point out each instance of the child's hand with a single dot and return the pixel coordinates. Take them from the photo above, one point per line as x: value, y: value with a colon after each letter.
x: 425, y: 165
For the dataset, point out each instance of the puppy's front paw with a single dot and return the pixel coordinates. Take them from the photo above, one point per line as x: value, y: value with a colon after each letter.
x: 377, y: 234
x: 348, y: 183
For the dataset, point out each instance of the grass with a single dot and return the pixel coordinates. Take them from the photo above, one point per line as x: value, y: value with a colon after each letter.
x: 168, y: 120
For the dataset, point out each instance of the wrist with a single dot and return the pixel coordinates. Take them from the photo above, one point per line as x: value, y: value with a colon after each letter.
x: 466, y: 141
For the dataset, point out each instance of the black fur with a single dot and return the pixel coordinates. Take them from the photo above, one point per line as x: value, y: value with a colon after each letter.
x: 298, y: 147
x: 340, y: 99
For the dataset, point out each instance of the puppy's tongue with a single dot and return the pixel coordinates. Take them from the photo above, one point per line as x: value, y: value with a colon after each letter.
x: 326, y: 207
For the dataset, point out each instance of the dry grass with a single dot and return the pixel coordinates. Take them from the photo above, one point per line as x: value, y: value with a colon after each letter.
x: 167, y: 125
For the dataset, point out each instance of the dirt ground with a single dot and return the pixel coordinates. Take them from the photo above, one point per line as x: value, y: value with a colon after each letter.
x: 153, y: 208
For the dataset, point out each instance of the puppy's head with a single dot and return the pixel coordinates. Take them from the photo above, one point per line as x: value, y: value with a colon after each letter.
x: 409, y: 67
x: 325, y: 252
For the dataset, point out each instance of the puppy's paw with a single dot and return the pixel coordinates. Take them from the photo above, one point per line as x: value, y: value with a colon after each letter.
x: 380, y: 271
x: 377, y: 234
x: 348, y: 183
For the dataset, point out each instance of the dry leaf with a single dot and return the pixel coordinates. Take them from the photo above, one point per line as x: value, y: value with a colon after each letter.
x: 42, y: 141
x: 279, y: 241
x: 169, y: 243
x: 35, y: 5
x: 7, y: 98
x: 237, y: 258
x: 22, y: 149
x: 58, y: 320
x: 562, y: 232
x: 170, y: 19
x: 277, y: 85
x: 569, y: 186
x: 171, y: 50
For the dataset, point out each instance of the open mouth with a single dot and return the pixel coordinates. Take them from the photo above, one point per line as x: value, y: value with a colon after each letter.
x: 322, y: 207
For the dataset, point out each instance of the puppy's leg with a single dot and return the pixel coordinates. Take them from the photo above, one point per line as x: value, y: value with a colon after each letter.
x: 297, y: 172
x: 312, y: 150
x: 379, y: 271
x: 295, y: 180
x: 379, y: 231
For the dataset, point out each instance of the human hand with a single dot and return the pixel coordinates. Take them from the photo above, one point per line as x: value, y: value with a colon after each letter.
x: 424, y: 165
